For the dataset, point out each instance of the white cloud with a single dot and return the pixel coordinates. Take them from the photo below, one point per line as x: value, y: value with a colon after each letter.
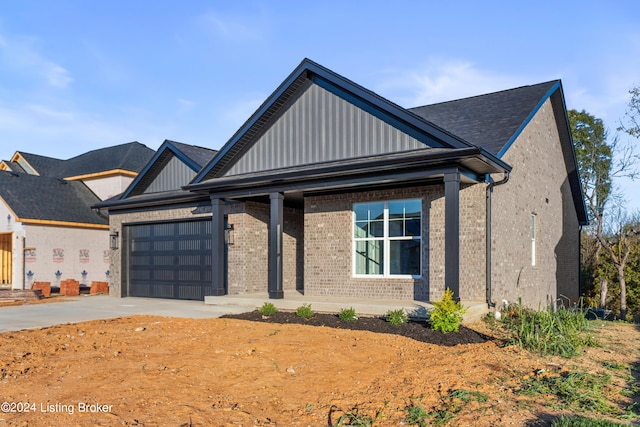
x: 23, y: 55
x: 443, y: 80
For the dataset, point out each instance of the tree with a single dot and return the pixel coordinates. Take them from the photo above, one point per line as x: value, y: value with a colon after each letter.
x: 599, y: 162
x: 632, y: 127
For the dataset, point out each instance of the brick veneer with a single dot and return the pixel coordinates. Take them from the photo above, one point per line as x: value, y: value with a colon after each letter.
x: 538, y: 185
x: 70, y: 287
x: 45, y: 287
x: 99, y: 288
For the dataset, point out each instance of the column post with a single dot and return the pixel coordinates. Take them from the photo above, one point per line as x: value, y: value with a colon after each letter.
x: 217, y: 246
x: 275, y: 246
x: 452, y: 232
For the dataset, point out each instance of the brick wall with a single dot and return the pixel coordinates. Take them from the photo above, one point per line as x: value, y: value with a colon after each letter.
x: 328, y: 246
x: 538, y: 185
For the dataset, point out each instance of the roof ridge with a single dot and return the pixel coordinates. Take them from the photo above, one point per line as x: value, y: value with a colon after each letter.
x: 550, y: 82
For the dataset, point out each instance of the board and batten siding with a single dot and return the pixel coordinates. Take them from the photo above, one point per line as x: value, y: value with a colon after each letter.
x: 321, y: 127
x: 171, y: 177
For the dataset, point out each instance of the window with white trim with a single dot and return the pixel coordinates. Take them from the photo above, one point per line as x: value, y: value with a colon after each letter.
x: 387, y: 238
x: 533, y: 240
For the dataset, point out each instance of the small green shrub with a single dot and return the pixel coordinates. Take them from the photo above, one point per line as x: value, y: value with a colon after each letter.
x: 305, y: 311
x: 347, y: 315
x: 447, y: 314
x: 267, y: 309
x: 396, y: 317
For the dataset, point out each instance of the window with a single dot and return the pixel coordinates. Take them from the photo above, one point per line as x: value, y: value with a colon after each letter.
x: 533, y: 240
x: 387, y: 238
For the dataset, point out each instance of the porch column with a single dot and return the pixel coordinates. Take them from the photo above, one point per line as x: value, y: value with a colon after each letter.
x: 452, y: 232
x: 217, y: 246
x: 275, y: 246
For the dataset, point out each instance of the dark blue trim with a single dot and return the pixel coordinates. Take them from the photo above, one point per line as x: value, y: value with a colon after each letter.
x: 166, y: 145
x: 528, y: 119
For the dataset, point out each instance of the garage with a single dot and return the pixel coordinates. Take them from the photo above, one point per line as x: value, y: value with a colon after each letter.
x: 168, y: 259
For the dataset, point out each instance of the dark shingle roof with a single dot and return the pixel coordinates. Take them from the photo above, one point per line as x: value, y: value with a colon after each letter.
x: 199, y: 155
x: 132, y: 156
x: 43, y: 165
x: 45, y: 198
x: 489, y: 121
x: 192, y: 156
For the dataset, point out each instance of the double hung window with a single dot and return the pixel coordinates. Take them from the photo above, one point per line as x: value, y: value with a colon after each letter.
x: 387, y: 238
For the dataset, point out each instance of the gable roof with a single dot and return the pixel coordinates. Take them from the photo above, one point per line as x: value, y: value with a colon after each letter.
x: 50, y: 201
x: 309, y: 72
x: 193, y: 157
x: 129, y: 157
x: 493, y: 120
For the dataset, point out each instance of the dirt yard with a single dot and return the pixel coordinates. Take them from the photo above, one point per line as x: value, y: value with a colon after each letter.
x: 156, y: 371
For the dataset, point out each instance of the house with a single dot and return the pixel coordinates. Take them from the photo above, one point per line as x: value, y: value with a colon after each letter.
x: 49, y: 231
x: 331, y: 190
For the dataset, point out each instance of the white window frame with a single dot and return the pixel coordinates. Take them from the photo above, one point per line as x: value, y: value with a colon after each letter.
x: 386, y: 239
x: 533, y: 225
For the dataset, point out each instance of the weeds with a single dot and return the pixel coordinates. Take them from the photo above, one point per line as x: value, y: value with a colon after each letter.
x: 561, y: 332
x: 577, y: 391
x: 305, y: 311
x: 447, y: 314
x: 396, y: 317
x: 268, y: 309
x: 347, y: 315
x: 575, y: 421
x: 453, y: 403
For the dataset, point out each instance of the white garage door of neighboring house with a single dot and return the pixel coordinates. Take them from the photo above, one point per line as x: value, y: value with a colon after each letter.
x: 168, y: 259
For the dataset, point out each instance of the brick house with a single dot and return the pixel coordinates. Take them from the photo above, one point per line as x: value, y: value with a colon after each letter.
x: 48, y: 229
x: 331, y: 190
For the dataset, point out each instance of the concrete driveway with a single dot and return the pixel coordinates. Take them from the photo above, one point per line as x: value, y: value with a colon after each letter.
x: 83, y: 308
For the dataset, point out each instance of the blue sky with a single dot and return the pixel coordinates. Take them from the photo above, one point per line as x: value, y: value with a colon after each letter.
x: 80, y: 75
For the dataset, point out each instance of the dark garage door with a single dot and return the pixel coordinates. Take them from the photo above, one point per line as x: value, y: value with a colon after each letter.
x: 168, y: 260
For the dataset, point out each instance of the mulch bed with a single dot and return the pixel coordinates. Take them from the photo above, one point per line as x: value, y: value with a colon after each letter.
x: 417, y: 330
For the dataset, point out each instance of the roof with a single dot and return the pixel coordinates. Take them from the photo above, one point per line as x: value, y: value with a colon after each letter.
x: 307, y: 72
x: 131, y: 157
x: 492, y: 120
x: 192, y: 156
x: 35, y: 198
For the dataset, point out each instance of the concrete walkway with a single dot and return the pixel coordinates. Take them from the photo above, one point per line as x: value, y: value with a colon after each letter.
x: 84, y: 308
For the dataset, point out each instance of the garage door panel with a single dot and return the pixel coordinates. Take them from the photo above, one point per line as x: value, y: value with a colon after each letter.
x: 170, y: 260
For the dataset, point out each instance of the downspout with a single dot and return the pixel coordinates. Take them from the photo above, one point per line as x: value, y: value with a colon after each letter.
x: 490, y: 186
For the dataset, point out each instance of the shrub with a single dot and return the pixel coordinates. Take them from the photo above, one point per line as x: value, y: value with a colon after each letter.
x: 396, y: 317
x: 447, y: 314
x: 305, y: 311
x: 267, y: 309
x: 348, y: 315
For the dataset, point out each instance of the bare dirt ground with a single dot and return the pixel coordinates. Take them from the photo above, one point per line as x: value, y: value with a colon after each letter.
x: 157, y: 371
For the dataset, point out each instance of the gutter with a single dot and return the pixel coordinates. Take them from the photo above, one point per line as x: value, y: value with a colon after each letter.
x: 490, y: 187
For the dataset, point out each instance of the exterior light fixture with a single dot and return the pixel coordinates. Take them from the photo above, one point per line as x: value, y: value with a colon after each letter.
x: 113, y: 240
x: 228, y: 234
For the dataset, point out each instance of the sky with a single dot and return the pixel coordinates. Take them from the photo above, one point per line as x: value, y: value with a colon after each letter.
x: 79, y: 75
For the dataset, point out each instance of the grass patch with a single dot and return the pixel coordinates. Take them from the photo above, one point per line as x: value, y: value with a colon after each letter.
x: 561, y: 332
x: 576, y: 391
x: 575, y: 421
x: 452, y: 404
